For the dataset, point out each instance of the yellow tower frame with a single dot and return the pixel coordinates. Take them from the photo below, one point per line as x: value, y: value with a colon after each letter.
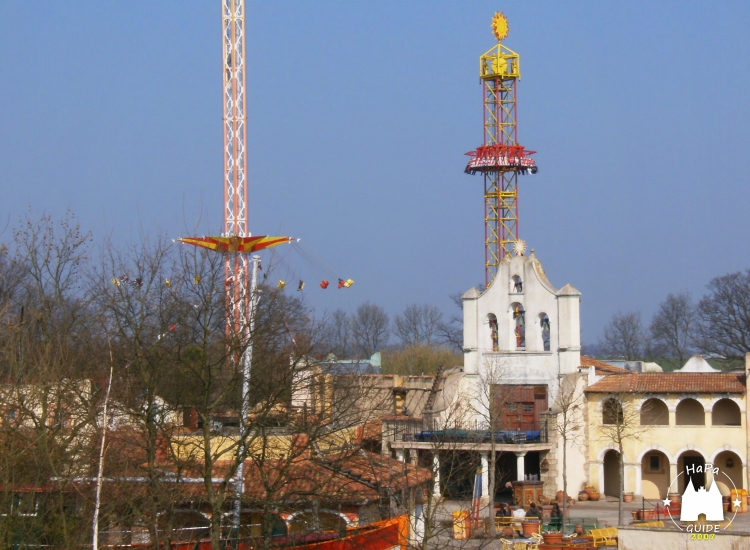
x: 499, y: 69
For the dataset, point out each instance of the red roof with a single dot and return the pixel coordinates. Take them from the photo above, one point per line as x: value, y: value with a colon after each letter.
x: 671, y: 382
x: 601, y: 367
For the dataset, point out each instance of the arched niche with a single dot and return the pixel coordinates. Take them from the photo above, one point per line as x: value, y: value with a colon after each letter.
x: 726, y: 412
x: 518, y: 326
x: 492, y: 324
x: 690, y: 413
x: 516, y: 284
x: 654, y: 412
x: 546, y: 330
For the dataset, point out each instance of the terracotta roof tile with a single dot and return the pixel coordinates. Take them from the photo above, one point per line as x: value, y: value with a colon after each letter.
x: 671, y: 382
x: 602, y: 367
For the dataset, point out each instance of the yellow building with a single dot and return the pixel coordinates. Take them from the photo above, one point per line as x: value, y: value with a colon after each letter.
x: 671, y: 423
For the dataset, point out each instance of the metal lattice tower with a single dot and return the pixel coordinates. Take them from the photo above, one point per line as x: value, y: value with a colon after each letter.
x: 235, y: 160
x: 501, y: 159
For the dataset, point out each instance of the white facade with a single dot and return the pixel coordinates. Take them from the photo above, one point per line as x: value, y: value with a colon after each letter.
x: 529, y: 363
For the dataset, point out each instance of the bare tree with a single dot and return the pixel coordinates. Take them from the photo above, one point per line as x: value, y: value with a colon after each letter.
x: 419, y: 324
x: 452, y: 331
x: 369, y: 328
x: 624, y: 336
x: 570, y: 424
x: 491, y: 396
x: 674, y: 326
x: 418, y: 360
x: 46, y: 351
x: 337, y: 334
x: 621, y: 424
x: 724, y: 315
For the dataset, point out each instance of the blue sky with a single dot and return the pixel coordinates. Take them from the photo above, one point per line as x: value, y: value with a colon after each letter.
x: 360, y: 113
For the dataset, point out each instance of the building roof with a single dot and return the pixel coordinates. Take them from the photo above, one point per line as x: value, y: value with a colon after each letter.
x: 671, y: 382
x: 601, y: 367
x: 697, y: 364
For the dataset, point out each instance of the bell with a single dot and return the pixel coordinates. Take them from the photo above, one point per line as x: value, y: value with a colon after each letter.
x: 280, y: 285
x: 324, y: 284
x: 301, y: 285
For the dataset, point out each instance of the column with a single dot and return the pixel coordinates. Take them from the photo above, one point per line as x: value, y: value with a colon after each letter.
x: 485, y: 475
x: 520, y: 465
x: 672, y: 417
x: 675, y: 485
x: 436, y: 475
x: 638, y: 479
x: 413, y: 457
x: 400, y: 455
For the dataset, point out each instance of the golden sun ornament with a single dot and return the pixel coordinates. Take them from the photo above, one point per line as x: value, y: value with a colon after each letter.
x: 519, y: 247
x: 500, y: 26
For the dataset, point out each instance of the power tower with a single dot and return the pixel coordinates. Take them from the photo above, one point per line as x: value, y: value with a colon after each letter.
x: 501, y: 159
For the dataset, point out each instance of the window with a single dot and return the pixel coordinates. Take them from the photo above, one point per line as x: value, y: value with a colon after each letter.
x: 516, y: 285
x: 528, y: 408
x: 612, y: 412
x: 654, y: 464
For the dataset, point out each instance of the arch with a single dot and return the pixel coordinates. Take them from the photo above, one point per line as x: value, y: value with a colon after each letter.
x: 518, y: 325
x: 654, y: 412
x: 604, y: 451
x: 726, y: 412
x: 730, y: 466
x: 492, y: 321
x: 612, y: 413
x: 653, y: 448
x: 696, y: 461
x: 516, y: 284
x: 690, y: 412
x: 611, y: 466
x: 727, y: 447
x: 545, y: 329
x: 654, y: 474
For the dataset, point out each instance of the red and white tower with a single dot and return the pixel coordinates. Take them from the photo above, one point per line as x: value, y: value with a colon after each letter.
x: 501, y: 159
x: 235, y: 160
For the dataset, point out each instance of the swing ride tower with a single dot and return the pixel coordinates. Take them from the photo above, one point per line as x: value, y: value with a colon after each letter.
x: 501, y: 159
x: 235, y: 161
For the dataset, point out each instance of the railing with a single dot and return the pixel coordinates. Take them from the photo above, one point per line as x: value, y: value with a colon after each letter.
x: 436, y: 431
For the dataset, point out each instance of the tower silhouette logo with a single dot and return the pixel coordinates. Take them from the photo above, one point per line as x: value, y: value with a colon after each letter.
x: 701, y: 502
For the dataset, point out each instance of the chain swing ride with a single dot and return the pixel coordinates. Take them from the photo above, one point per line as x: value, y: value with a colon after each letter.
x: 236, y: 243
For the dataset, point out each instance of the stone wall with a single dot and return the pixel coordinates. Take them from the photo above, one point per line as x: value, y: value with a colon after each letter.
x: 639, y: 538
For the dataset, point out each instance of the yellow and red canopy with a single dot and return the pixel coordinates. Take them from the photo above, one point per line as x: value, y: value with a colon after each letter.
x: 236, y: 244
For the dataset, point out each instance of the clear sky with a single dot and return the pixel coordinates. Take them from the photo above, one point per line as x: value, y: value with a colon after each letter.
x: 360, y: 115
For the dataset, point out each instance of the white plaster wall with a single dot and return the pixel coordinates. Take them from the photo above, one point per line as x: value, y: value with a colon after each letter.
x: 531, y: 364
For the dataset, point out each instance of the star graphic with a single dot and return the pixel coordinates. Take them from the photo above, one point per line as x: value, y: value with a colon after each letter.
x: 737, y: 503
x: 666, y: 502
